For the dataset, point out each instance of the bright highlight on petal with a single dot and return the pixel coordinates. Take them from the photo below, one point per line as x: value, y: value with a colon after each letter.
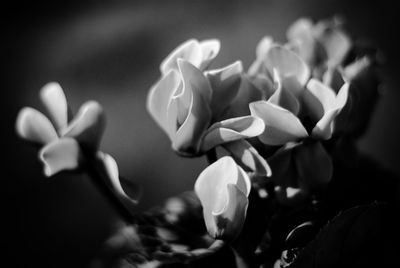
x: 60, y: 155
x: 281, y: 126
x: 231, y: 130
x: 33, y: 126
x: 54, y: 100
x: 88, y: 125
x: 223, y: 188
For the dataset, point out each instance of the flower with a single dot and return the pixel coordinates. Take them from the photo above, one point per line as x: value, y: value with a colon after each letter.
x: 302, y: 162
x: 191, y: 105
x: 69, y: 145
x: 223, y: 189
x: 323, y: 43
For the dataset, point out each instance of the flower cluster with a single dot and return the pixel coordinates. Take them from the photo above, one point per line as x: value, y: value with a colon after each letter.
x: 271, y: 135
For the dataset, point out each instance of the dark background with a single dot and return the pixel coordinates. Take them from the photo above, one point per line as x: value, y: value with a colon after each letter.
x: 110, y: 51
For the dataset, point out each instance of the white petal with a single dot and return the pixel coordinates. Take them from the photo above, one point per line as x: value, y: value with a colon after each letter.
x: 225, y: 83
x: 54, y: 100
x: 324, y: 127
x: 111, y: 168
x: 211, y: 185
x: 247, y: 156
x: 209, y: 50
x: 287, y: 63
x: 88, y: 125
x: 33, y: 126
x: 229, y: 222
x: 231, y: 130
x: 160, y: 96
x: 188, y: 136
x: 263, y: 46
x: 324, y: 94
x: 300, y: 34
x: 281, y: 126
x: 284, y: 97
x: 189, y: 50
x: 337, y: 44
x: 60, y: 155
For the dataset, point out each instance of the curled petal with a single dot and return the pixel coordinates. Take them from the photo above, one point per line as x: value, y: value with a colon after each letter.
x: 263, y: 46
x: 189, y: 134
x: 111, y: 169
x: 60, y: 155
x: 283, y: 97
x: 189, y: 50
x: 324, y: 127
x: 54, y: 100
x: 225, y: 84
x: 324, y: 94
x: 223, y: 188
x: 160, y: 97
x: 231, y: 130
x: 88, y: 125
x: 209, y: 50
x: 313, y: 164
x: 287, y: 63
x: 247, y: 156
x: 33, y: 126
x: 281, y: 126
x: 229, y: 221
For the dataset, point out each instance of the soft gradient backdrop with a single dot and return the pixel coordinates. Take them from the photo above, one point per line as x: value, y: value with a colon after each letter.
x: 110, y: 51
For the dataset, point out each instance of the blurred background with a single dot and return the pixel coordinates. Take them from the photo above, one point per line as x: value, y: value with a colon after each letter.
x: 110, y: 51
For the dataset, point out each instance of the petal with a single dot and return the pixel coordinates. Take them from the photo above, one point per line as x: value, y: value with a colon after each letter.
x: 209, y: 50
x: 247, y: 93
x: 189, y: 134
x: 33, y: 126
x: 211, y: 185
x: 283, y: 97
x: 189, y: 50
x: 287, y: 63
x: 324, y: 94
x: 247, y: 156
x: 111, y: 169
x: 263, y: 46
x: 229, y: 222
x: 300, y: 34
x: 281, y: 126
x: 160, y: 96
x: 231, y: 130
x: 60, y: 155
x: 324, y: 127
x: 313, y: 163
x: 225, y: 84
x: 54, y: 100
x: 223, y: 188
x: 336, y: 43
x: 88, y: 125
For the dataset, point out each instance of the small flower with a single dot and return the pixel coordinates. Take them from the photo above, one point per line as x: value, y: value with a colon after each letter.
x: 223, y: 189
x: 61, y: 140
x: 189, y: 105
x: 302, y: 162
x: 67, y: 145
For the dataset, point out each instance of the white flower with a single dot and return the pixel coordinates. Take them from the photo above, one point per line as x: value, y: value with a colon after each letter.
x: 67, y: 144
x: 223, y: 189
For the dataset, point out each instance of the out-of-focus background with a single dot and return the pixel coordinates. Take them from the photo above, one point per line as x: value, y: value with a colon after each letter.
x: 110, y: 51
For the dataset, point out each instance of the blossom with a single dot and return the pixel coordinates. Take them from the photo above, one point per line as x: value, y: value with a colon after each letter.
x: 302, y: 162
x: 191, y: 105
x: 68, y: 144
x: 223, y: 189
x: 321, y: 43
